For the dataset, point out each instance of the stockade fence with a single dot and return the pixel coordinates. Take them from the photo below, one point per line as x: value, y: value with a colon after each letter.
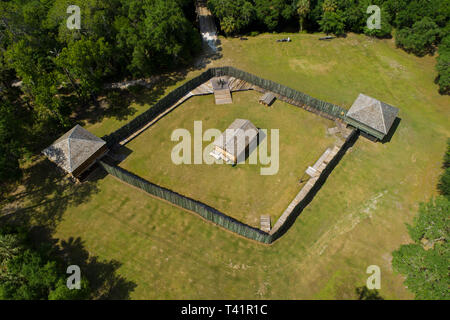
x: 291, y: 96
x: 187, y: 203
x: 287, y: 94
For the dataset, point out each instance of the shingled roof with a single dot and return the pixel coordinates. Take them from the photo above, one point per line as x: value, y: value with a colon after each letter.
x: 74, y: 148
x: 373, y: 113
x: 239, y: 135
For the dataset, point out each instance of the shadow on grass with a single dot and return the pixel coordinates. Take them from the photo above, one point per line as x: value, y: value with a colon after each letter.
x: 313, y: 192
x: 393, y: 130
x: 365, y: 294
x: 104, y: 281
x: 45, y: 195
x: 118, y: 103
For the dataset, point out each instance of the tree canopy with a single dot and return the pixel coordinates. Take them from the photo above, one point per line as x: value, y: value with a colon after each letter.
x: 424, y: 262
x: 28, y: 273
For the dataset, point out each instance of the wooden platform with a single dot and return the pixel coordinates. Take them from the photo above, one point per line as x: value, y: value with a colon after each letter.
x: 265, y: 223
x: 223, y: 96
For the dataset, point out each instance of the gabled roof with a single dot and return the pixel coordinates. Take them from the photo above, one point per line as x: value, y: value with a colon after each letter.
x: 73, y: 149
x: 237, y: 137
x: 373, y: 113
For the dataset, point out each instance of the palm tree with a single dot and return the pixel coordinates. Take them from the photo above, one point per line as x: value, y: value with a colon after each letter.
x: 303, y: 8
x: 329, y: 5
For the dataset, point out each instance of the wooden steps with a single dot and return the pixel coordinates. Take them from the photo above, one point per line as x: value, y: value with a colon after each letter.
x: 265, y: 223
x: 223, y: 96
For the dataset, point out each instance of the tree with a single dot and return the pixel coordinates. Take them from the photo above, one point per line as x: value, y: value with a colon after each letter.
x: 155, y: 35
x: 303, y: 8
x: 443, y: 66
x: 444, y: 181
x: 424, y: 263
x: 27, y: 273
x: 86, y: 63
x: 386, y: 28
x: 420, y: 39
x: 329, y: 5
x: 10, y: 152
x: 271, y: 13
x: 333, y: 22
x: 234, y: 15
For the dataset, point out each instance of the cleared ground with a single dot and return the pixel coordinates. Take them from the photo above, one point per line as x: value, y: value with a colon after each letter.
x: 356, y: 220
x: 240, y: 191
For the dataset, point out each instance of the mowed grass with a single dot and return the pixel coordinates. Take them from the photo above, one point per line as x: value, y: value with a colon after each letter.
x: 242, y: 192
x: 356, y: 220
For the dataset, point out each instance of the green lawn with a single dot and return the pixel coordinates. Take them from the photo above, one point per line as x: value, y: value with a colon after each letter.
x: 356, y: 220
x: 241, y: 191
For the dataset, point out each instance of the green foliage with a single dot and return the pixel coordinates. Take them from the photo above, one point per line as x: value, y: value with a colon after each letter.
x: 420, y: 39
x: 329, y: 5
x: 303, y: 8
x: 9, y: 148
x: 234, y: 15
x: 386, y: 28
x: 406, y: 13
x: 30, y: 274
x: 88, y: 61
x: 155, y: 35
x: 444, y: 181
x: 425, y: 262
x: 272, y: 13
x: 443, y: 66
x: 333, y: 22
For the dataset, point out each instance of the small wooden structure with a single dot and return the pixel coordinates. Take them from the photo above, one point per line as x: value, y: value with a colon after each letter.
x: 233, y: 144
x: 371, y: 116
x: 267, y: 99
x: 222, y: 92
x: 76, y: 151
x: 266, y: 224
x: 318, y: 167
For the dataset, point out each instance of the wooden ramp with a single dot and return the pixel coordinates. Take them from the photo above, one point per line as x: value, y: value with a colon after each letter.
x: 265, y: 224
x: 223, y: 96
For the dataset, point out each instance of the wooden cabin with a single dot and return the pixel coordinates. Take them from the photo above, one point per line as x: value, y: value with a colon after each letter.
x: 76, y: 151
x: 233, y: 144
x: 372, y: 117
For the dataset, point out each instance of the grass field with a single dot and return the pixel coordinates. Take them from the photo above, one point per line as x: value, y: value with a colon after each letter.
x: 241, y: 191
x: 356, y: 220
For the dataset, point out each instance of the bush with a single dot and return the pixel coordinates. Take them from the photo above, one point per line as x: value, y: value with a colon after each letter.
x: 444, y: 181
x: 386, y: 28
x: 420, y: 39
x: 443, y: 66
x: 333, y: 22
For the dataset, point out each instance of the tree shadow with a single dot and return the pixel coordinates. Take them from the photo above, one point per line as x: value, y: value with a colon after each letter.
x: 364, y: 293
x: 45, y: 194
x: 318, y: 185
x: 104, y: 281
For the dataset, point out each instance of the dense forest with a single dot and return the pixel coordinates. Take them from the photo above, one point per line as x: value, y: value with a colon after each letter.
x: 419, y: 26
x: 48, y: 72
